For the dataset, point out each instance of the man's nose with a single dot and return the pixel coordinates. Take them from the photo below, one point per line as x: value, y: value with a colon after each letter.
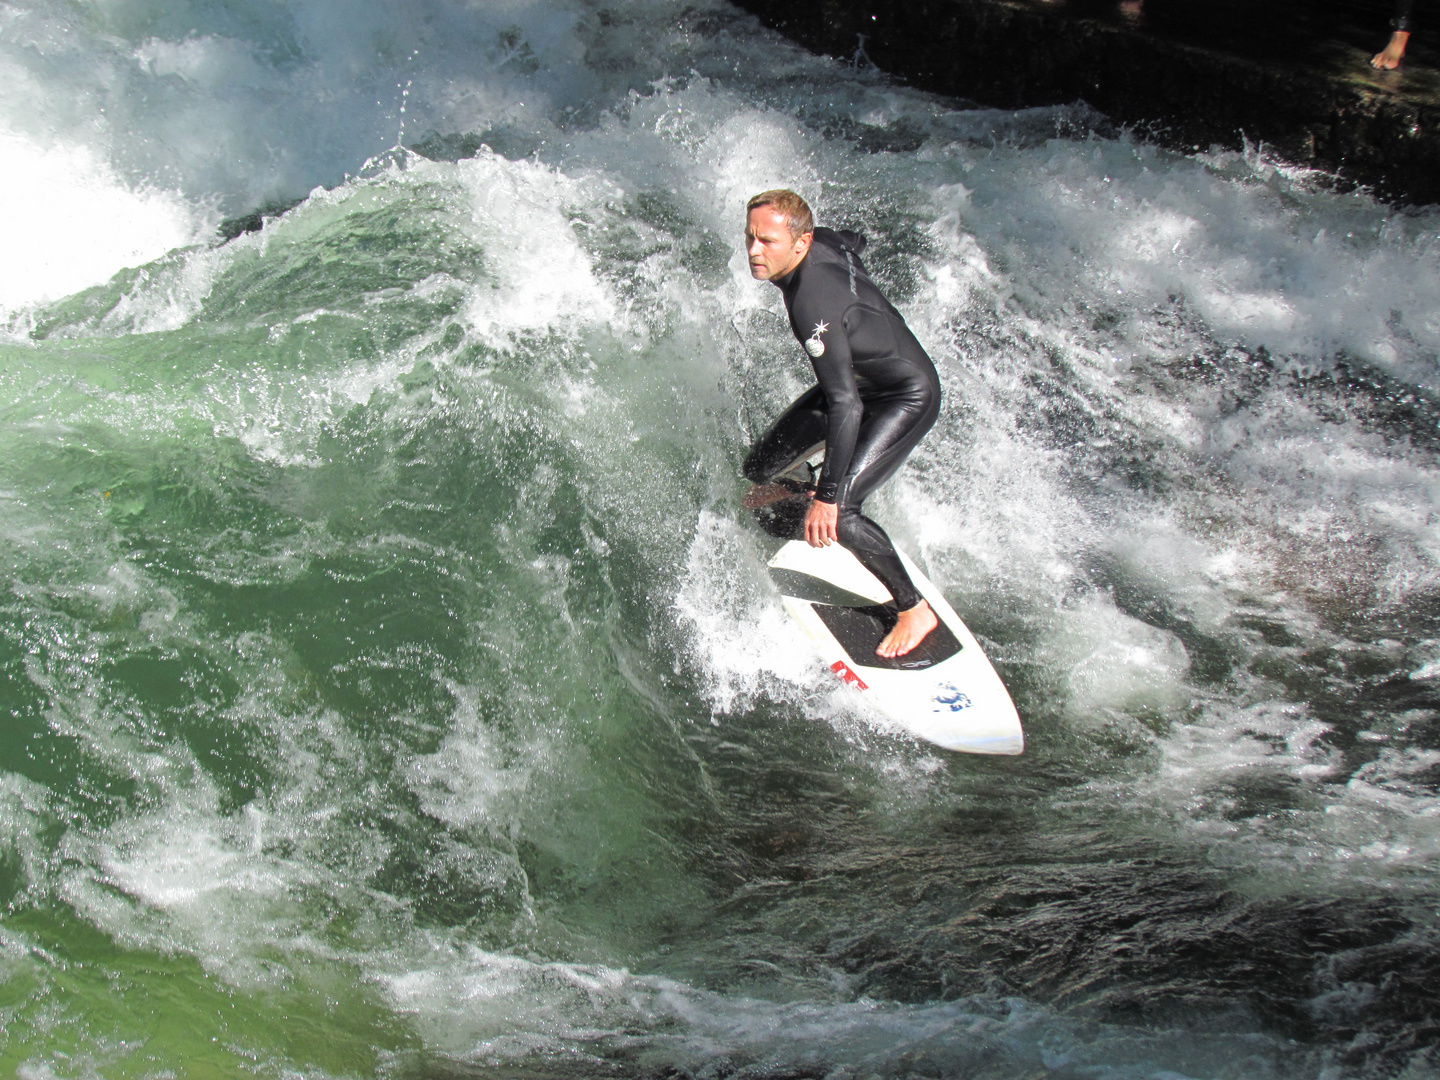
x: 754, y: 247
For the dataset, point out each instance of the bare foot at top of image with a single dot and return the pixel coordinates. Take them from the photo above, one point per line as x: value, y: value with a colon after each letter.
x: 1388, y: 58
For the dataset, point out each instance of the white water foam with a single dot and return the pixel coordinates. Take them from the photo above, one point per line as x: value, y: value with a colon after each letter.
x: 745, y: 641
x: 1113, y: 661
x: 1261, y: 260
x: 73, y: 222
x: 464, y: 1000
x: 25, y: 812
x: 540, y: 276
x: 126, y: 133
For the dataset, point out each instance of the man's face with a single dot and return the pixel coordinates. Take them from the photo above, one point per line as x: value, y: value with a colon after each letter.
x: 772, y: 251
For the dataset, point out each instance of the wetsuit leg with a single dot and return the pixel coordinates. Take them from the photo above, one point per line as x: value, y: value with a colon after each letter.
x: 798, y: 433
x: 888, y: 433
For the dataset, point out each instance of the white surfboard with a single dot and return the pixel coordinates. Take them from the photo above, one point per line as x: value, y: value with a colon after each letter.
x: 944, y: 690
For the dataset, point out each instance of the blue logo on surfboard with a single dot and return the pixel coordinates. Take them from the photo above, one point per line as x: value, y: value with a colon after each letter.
x: 955, y: 699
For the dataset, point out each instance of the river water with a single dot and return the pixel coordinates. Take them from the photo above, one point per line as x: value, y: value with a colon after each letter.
x: 392, y: 685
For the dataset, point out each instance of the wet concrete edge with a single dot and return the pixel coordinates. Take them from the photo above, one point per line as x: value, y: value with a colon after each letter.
x: 1009, y: 54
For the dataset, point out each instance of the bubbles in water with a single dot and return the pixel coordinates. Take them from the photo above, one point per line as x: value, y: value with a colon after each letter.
x: 743, y: 641
x: 1112, y: 661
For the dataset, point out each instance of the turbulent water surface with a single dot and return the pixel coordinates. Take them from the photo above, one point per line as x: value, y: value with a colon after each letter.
x: 391, y: 681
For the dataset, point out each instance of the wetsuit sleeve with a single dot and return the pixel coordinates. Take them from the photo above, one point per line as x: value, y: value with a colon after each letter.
x: 836, y: 375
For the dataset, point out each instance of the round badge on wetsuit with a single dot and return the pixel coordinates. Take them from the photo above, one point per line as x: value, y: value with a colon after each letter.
x: 815, y: 347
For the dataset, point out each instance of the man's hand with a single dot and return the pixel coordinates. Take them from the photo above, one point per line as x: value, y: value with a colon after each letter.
x: 820, y: 522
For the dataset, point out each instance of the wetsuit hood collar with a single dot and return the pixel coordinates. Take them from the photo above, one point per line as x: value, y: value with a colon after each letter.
x: 788, y: 280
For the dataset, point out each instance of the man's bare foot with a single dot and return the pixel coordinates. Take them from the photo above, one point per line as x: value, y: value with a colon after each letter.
x: 1388, y: 58
x: 910, y: 629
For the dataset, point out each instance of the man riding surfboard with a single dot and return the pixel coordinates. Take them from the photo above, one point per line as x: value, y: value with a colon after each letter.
x: 876, y: 396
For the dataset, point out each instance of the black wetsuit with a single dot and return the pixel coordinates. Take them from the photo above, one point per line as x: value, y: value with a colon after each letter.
x: 1403, y: 10
x: 878, y: 395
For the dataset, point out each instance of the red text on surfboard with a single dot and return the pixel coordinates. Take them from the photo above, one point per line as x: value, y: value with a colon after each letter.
x: 839, y: 667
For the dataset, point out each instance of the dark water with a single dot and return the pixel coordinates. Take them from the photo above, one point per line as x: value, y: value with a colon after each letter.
x: 1325, y: 34
x: 393, y: 685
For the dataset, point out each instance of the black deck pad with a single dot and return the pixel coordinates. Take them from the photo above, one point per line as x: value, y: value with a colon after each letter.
x: 804, y: 586
x: 859, y: 630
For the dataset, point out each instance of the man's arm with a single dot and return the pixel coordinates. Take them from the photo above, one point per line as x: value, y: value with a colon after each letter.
x: 829, y: 351
x: 843, y: 413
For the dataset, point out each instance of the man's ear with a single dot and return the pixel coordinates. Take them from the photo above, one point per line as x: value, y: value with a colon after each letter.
x: 802, y: 243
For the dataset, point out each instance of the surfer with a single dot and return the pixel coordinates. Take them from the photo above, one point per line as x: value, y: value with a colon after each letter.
x: 877, y: 393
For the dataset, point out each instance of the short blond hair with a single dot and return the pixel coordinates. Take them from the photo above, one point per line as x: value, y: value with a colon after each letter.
x: 794, y: 209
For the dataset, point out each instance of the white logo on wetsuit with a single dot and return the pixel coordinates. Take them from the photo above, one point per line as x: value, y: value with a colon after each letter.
x: 813, y: 345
